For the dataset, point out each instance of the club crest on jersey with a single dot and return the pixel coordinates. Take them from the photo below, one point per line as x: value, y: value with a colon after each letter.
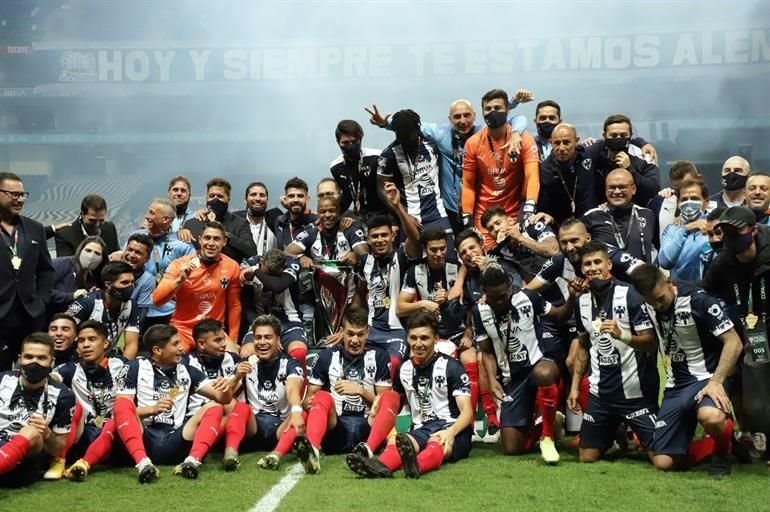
x: 224, y: 282
x: 370, y: 370
x: 587, y: 164
x: 440, y: 380
x: 268, y: 385
x: 353, y: 373
x: 281, y: 378
x: 619, y: 310
x: 525, y: 311
x: 715, y: 310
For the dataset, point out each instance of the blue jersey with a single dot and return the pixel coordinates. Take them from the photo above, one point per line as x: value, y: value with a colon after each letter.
x: 370, y: 369
x: 431, y: 389
x: 416, y: 178
x: 53, y: 402
x: 524, y: 259
x: 213, y: 370
x: 94, y: 386
x: 319, y: 244
x: 618, y: 372
x: 514, y: 336
x: 689, y: 335
x: 264, y: 389
x: 421, y: 281
x: 383, y: 278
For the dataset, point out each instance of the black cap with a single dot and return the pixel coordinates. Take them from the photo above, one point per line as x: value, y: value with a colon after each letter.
x: 738, y: 217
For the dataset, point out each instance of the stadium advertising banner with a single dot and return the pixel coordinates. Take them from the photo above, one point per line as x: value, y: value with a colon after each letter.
x: 44, y: 64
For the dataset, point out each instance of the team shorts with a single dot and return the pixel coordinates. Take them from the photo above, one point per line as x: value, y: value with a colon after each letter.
x: 394, y: 341
x: 346, y: 434
x: 267, y: 433
x: 601, y: 420
x: 462, y: 445
x: 518, y: 405
x: 166, y: 446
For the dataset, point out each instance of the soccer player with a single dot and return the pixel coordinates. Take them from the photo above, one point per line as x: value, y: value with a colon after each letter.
x: 346, y: 383
x: 269, y: 414
x: 113, y: 307
x: 506, y: 328
x: 63, y: 330
x: 93, y: 380
x: 297, y: 216
x: 438, y: 393
x: 616, y: 336
x: 383, y: 270
x: 151, y: 408
x: 205, y: 285
x: 277, y: 275
x: 695, y: 333
x: 35, y: 413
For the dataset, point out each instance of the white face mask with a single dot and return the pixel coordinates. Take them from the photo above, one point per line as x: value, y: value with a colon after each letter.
x: 89, y: 260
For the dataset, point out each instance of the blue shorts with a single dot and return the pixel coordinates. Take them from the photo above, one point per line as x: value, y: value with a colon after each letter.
x: 166, y: 446
x: 555, y: 341
x: 290, y: 332
x: 601, y: 420
x: 518, y: 405
x: 28, y: 471
x: 678, y: 418
x: 394, y: 341
x: 267, y: 434
x: 346, y: 434
x: 462, y: 445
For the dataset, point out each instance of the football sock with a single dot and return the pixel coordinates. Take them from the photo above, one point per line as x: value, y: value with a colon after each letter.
x: 235, y: 425
x: 13, y: 452
x: 318, y: 417
x: 390, y: 457
x: 207, y: 433
x: 128, y: 428
x: 549, y: 397
x: 102, y: 446
x: 723, y: 440
x: 395, y: 362
x: 286, y: 441
x: 385, y: 419
x: 72, y: 437
x: 430, y: 458
x: 472, y: 369
x: 699, y: 450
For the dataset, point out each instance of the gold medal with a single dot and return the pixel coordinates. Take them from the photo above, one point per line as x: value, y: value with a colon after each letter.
x: 173, y: 393
x: 16, y: 262
x: 386, y: 302
x: 196, y: 261
x: 98, y: 421
x: 751, y: 320
x: 501, y: 237
x: 597, y: 325
x: 253, y: 359
x: 211, y: 216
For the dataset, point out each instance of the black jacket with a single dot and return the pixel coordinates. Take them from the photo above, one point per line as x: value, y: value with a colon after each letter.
x: 68, y: 239
x: 646, y: 175
x: 555, y: 196
x: 240, y: 244
x: 34, y: 279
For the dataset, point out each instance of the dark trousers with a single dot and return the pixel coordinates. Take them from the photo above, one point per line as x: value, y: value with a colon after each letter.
x: 16, y: 325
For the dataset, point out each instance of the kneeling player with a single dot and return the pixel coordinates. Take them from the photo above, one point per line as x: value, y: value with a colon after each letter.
x: 617, y: 338
x: 151, y: 407
x: 506, y: 330
x: 271, y: 416
x: 35, y: 413
x: 346, y: 381
x: 703, y: 346
x: 92, y: 379
x: 438, y: 392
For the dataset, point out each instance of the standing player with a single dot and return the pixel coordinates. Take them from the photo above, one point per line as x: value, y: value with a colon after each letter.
x: 695, y: 332
x: 506, y: 326
x: 205, y: 285
x: 151, y: 408
x: 345, y: 384
x: 92, y: 379
x: 437, y: 390
x: 269, y: 414
x: 383, y: 270
x: 35, y: 413
x: 617, y: 338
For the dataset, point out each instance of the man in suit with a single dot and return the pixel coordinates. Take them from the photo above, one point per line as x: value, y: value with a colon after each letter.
x: 240, y: 244
x: 93, y: 210
x: 26, y: 274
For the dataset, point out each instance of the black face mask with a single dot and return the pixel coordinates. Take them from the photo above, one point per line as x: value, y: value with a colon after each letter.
x: 181, y: 208
x: 122, y: 294
x: 94, y: 371
x: 352, y: 151
x: 617, y: 144
x: 716, y: 246
x: 738, y: 243
x: 169, y: 370
x: 600, y: 285
x: 91, y: 228
x: 734, y: 181
x: 496, y: 119
x: 217, y: 206
x: 211, y: 361
x: 35, y: 373
x: 545, y: 129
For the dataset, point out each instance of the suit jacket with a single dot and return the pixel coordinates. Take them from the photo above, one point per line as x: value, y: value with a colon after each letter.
x: 68, y: 239
x: 32, y: 283
x: 240, y: 244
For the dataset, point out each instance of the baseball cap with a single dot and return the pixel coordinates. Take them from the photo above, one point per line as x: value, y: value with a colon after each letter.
x: 737, y: 217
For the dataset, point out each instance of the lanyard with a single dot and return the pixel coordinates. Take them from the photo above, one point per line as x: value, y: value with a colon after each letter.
x: 329, y: 250
x: 13, y: 240
x: 574, y: 190
x: 30, y: 405
x: 606, y: 308
x: 622, y: 244
x: 96, y: 399
x: 411, y: 167
x: 356, y: 185
x: 509, y: 328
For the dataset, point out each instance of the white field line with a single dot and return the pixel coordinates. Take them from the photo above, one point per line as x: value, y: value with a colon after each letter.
x: 272, y: 499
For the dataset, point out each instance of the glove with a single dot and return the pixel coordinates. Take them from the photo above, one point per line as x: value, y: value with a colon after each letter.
x: 529, y: 208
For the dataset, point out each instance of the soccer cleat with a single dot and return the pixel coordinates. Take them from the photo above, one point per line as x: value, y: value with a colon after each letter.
x: 408, y: 456
x: 308, y: 456
x: 148, y: 473
x: 269, y: 461
x: 558, y: 426
x: 475, y: 438
x: 231, y: 461
x: 367, y: 467
x: 493, y: 424
x: 56, y: 470
x: 188, y: 469
x: 363, y: 450
x: 491, y: 437
x: 78, y: 471
x: 720, y: 466
x: 548, y: 451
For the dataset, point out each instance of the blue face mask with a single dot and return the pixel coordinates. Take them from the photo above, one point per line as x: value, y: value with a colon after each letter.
x: 690, y: 211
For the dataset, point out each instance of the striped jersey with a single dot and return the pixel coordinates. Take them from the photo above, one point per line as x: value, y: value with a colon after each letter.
x: 265, y: 387
x: 94, y: 386
x: 54, y: 402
